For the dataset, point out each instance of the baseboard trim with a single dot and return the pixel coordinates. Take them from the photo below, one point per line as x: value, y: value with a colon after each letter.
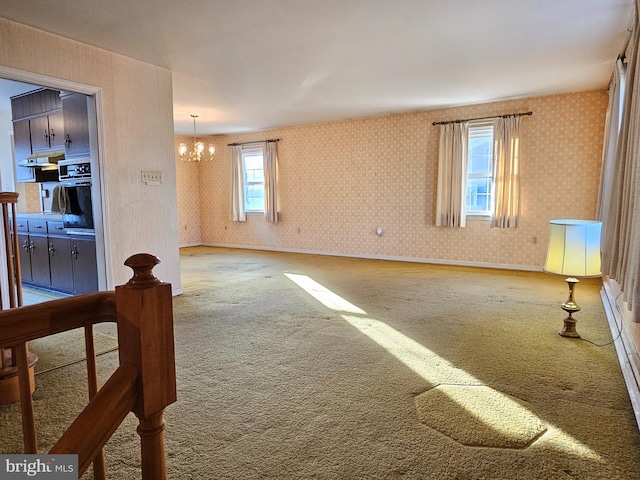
x: 196, y: 244
x: 625, y: 347
x: 437, y: 261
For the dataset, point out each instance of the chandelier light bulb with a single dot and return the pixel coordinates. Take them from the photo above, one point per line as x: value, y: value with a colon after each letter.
x: 197, y: 152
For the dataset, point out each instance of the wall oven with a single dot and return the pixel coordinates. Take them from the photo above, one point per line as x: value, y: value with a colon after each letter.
x: 75, y: 193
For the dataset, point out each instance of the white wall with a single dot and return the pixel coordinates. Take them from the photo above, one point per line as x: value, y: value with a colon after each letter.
x: 6, y: 160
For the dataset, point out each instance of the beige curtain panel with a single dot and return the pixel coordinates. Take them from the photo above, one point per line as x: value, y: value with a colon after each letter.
x: 452, y: 175
x: 611, y: 131
x: 271, y: 182
x: 506, y: 172
x: 621, y: 226
x: 237, y: 213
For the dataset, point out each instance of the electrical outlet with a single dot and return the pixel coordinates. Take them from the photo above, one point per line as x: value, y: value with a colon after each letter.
x: 151, y: 178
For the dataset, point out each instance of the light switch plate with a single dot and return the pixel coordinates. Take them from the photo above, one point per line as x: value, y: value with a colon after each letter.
x: 151, y: 177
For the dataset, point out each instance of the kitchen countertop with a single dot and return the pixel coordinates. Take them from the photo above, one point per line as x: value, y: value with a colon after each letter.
x: 41, y: 215
x: 56, y: 217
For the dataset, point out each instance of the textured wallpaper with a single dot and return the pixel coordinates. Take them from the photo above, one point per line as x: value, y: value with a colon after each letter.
x: 340, y: 181
x: 188, y: 187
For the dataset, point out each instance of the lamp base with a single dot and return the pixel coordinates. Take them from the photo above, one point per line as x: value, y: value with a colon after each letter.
x: 569, y: 328
x: 570, y: 306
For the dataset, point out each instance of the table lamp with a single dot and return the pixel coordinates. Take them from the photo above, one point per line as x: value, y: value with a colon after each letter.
x: 574, y: 250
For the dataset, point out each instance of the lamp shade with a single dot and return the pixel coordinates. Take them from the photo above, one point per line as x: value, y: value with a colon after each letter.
x: 574, y: 248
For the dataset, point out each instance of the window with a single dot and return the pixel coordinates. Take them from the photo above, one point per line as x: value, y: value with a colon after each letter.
x: 253, y: 169
x: 479, y: 170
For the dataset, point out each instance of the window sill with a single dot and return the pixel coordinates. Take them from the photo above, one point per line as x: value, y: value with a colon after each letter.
x: 478, y: 217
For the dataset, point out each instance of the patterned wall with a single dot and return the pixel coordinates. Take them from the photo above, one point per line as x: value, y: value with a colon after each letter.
x: 340, y: 181
x: 188, y: 187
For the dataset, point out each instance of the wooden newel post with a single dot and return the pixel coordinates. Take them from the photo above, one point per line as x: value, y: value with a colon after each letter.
x: 145, y: 335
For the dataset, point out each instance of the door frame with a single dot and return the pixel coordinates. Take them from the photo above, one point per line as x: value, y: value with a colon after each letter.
x: 99, y: 188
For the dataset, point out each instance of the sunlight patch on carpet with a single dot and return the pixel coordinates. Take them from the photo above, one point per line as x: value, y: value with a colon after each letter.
x: 479, y: 416
x: 436, y: 370
x: 323, y: 294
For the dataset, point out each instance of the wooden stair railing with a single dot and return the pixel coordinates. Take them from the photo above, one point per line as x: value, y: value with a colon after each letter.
x: 16, y: 363
x: 145, y: 381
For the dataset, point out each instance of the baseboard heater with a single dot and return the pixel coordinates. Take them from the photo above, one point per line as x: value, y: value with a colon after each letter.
x: 625, y: 347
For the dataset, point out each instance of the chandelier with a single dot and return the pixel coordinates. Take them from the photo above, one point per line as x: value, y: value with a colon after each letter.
x: 197, y: 151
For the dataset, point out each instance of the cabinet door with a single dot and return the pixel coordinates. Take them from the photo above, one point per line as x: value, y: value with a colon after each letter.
x: 24, y: 254
x: 85, y: 270
x: 56, y: 131
x: 39, y: 133
x: 60, y: 263
x: 76, y: 125
x: 22, y: 149
x: 40, y: 272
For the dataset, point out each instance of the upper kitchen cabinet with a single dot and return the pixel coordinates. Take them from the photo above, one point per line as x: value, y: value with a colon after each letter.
x: 22, y: 151
x: 47, y: 132
x: 37, y: 102
x: 39, y: 134
x: 43, y: 109
x: 76, y: 125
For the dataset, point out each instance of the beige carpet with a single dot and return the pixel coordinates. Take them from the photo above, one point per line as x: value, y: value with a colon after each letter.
x: 62, y: 349
x: 363, y: 369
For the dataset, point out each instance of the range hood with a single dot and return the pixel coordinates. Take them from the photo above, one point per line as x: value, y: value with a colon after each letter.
x: 47, y: 160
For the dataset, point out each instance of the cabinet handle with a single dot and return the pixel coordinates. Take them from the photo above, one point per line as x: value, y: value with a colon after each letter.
x: 25, y: 245
x: 32, y: 247
x: 67, y: 140
x: 74, y: 251
x: 46, y: 135
x: 37, y: 226
x: 52, y: 134
x: 51, y: 249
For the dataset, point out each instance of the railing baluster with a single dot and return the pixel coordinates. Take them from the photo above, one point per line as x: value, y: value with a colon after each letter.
x: 26, y: 402
x: 99, y: 466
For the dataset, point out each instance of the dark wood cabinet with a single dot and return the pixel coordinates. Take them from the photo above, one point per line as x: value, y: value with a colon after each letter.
x: 47, y: 132
x: 76, y: 125
x: 22, y: 149
x: 60, y: 262
x: 38, y: 126
x: 38, y: 252
x: 24, y: 253
x: 51, y: 258
x: 40, y: 273
x: 83, y: 258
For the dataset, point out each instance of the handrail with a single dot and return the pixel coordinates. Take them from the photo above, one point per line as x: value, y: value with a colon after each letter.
x: 27, y: 323
x: 91, y: 430
x: 145, y: 381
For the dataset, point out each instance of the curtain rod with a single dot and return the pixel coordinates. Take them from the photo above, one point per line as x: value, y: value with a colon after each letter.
x: 483, y: 118
x: 258, y: 141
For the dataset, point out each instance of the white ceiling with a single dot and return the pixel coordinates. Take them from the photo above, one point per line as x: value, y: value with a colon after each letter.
x: 244, y: 65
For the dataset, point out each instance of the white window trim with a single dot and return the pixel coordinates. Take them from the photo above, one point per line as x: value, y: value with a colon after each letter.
x: 248, y: 150
x: 484, y: 215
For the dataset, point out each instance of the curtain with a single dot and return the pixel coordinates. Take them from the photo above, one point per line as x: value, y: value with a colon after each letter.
x: 271, y: 182
x: 236, y: 212
x: 452, y: 175
x: 506, y: 172
x: 611, y: 129
x: 621, y: 232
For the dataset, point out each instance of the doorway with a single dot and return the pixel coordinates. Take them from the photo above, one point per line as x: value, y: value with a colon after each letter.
x: 27, y: 80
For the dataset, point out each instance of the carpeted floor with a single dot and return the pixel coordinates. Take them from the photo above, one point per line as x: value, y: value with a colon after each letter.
x: 297, y: 366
